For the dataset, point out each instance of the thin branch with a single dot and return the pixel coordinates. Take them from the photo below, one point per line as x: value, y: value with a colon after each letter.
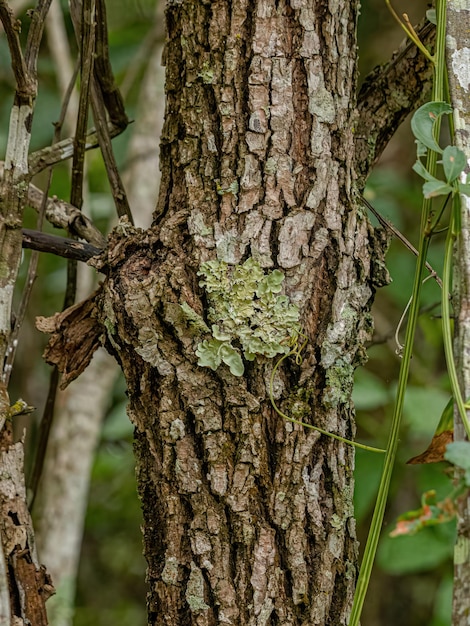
x: 43, y: 436
x: 86, y: 38
x: 105, y: 96
x: 35, y: 32
x: 111, y: 94
x: 45, y: 425
x: 13, y: 191
x: 25, y: 87
x: 396, y: 233
x: 66, y: 69
x: 60, y: 246
x: 63, y: 215
x: 63, y: 150
x: 34, y: 259
x: 117, y: 188
x: 387, y: 96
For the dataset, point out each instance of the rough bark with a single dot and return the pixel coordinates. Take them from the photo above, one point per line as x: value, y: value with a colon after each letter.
x: 458, y: 55
x: 26, y: 581
x: 248, y: 519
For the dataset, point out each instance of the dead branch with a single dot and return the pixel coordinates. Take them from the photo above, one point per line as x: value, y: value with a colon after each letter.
x: 104, y: 75
x: 63, y: 150
x: 25, y: 87
x: 60, y: 246
x: 63, y: 215
x: 387, y: 96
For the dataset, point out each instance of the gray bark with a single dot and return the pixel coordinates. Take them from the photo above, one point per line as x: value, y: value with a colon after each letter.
x: 458, y: 56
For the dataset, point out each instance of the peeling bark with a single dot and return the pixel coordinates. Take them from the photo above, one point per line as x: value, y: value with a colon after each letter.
x: 76, y: 334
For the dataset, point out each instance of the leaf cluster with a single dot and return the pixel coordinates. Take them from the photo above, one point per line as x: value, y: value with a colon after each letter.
x: 453, y: 161
x: 246, y: 307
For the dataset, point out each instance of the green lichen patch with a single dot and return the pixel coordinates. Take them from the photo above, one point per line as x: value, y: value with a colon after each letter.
x: 207, y: 73
x: 246, y: 307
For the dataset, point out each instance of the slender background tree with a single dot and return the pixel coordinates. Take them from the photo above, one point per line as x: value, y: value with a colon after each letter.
x: 247, y: 518
x: 458, y: 63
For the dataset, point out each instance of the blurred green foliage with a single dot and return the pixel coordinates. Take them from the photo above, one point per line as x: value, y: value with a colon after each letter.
x: 429, y: 553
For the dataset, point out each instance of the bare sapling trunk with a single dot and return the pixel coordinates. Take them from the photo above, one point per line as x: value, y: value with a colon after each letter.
x: 241, y: 314
x: 458, y: 15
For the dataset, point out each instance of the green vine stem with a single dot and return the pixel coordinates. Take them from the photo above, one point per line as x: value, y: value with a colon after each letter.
x: 446, y: 316
x: 410, y: 31
x: 296, y: 351
x: 370, y: 550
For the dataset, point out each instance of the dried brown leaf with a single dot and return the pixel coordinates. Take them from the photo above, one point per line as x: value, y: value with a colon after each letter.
x: 436, y: 449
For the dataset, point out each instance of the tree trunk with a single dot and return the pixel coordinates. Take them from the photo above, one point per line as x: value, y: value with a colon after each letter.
x: 248, y: 518
x: 458, y: 16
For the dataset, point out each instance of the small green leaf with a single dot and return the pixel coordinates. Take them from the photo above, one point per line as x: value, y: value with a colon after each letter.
x: 447, y: 418
x: 421, y: 149
x: 436, y: 188
x: 423, y: 123
x: 431, y: 16
x: 232, y: 358
x: 419, y: 168
x: 454, y: 162
x: 431, y: 513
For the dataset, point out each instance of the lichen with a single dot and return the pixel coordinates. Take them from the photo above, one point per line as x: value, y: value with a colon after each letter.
x: 299, y: 404
x: 207, y: 73
x: 195, y: 590
x: 336, y: 521
x: 233, y: 188
x: 147, y: 348
x: 245, y: 308
x: 339, y: 382
x: 170, y: 571
x: 195, y: 321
